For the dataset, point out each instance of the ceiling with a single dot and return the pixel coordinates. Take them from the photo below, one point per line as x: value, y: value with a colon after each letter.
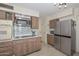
x: 45, y: 9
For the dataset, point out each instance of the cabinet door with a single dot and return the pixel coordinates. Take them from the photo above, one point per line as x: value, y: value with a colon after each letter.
x: 25, y: 47
x: 21, y: 47
x: 50, y: 39
x: 38, y: 43
x: 66, y: 45
x: 2, y: 14
x: 35, y: 22
x: 6, y: 15
x: 6, y: 48
x: 34, y: 44
x: 5, y: 51
x: 9, y: 16
x: 30, y: 45
x: 52, y: 23
x: 18, y: 48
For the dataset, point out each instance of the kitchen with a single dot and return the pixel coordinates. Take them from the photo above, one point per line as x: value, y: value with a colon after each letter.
x: 17, y: 34
x: 25, y: 33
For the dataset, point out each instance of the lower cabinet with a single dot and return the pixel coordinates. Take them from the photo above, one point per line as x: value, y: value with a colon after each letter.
x: 20, y: 47
x: 6, y: 48
x: 26, y: 46
x: 50, y: 39
x: 34, y: 44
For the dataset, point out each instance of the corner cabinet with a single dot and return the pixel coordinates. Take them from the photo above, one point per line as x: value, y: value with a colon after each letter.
x: 35, y: 22
x: 4, y: 15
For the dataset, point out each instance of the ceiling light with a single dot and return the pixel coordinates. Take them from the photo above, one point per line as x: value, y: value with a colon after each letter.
x: 60, y: 5
x: 65, y: 6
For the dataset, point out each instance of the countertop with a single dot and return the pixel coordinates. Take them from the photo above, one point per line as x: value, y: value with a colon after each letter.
x: 5, y: 40
x: 26, y: 37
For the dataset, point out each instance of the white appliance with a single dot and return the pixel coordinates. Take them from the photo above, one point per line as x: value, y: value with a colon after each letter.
x: 5, y: 30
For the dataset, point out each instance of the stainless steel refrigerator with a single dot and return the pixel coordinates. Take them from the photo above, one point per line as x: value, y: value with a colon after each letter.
x: 65, y: 36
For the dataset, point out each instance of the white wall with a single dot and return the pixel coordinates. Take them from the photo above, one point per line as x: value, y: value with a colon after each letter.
x: 43, y: 29
x: 26, y: 11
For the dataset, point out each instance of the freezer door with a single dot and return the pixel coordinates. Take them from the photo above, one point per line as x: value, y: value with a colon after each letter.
x: 57, y: 42
x: 66, y: 27
x: 57, y: 28
x: 66, y: 45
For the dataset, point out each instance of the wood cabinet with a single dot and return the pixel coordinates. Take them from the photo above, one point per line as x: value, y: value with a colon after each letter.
x: 35, y: 22
x: 34, y: 44
x: 50, y: 39
x: 6, y: 48
x: 20, y: 47
x: 26, y: 46
x: 52, y: 23
x: 4, y: 15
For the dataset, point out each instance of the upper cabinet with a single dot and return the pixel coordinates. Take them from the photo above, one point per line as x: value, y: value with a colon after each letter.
x: 35, y: 22
x: 30, y: 21
x: 2, y: 14
x: 6, y: 15
x: 52, y: 23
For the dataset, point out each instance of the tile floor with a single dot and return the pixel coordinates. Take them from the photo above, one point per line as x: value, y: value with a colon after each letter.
x: 47, y: 50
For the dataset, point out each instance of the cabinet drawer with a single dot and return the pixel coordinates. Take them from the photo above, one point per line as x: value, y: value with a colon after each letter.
x: 4, y: 44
